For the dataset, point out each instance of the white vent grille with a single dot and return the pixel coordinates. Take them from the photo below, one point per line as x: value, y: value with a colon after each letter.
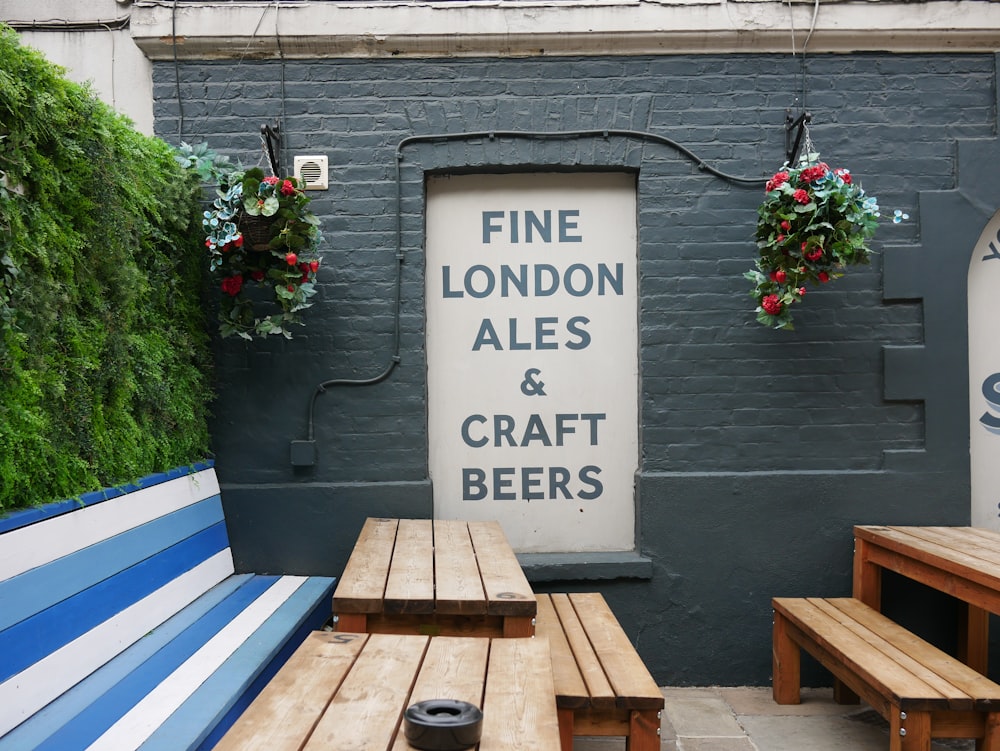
x: 311, y: 172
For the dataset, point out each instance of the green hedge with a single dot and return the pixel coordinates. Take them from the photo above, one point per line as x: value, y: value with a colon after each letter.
x: 104, y: 356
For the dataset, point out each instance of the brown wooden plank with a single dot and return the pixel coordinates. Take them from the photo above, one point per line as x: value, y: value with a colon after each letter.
x: 459, y: 588
x: 634, y: 687
x: 571, y: 690
x: 453, y: 668
x: 507, y: 588
x: 519, y: 706
x: 885, y: 676
x: 955, y: 681
x: 409, y: 586
x: 284, y: 714
x: 961, y: 679
x: 599, y: 690
x: 367, y: 710
x: 361, y: 586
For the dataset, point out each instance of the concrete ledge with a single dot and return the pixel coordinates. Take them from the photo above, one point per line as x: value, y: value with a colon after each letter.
x: 585, y: 566
x: 459, y: 28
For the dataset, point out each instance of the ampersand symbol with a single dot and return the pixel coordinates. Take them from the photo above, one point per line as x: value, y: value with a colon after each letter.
x: 531, y: 387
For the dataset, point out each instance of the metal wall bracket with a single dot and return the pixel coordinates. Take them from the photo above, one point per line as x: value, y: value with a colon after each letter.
x: 271, y: 136
x: 797, y: 124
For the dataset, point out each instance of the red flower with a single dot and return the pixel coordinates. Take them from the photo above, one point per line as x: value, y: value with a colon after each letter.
x: 802, y: 291
x: 815, y: 254
x: 208, y: 243
x: 844, y: 175
x: 287, y: 188
x: 257, y: 275
x: 823, y: 277
x: 238, y: 242
x: 779, y: 276
x: 780, y: 239
x: 801, y: 196
x: 809, y: 174
x: 314, y: 266
x: 771, y: 305
x: 232, y: 285
x: 779, y: 179
x: 272, y: 180
x: 786, y: 225
x: 291, y: 288
x: 291, y: 259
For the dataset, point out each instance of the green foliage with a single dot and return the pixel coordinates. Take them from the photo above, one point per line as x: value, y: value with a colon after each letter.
x: 814, y: 222
x: 104, y: 359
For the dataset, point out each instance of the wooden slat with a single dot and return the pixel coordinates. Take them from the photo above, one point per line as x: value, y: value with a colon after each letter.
x: 453, y: 668
x: 634, y: 687
x: 291, y: 704
x: 924, y: 661
x: 361, y: 587
x: 409, y: 586
x: 507, y: 589
x: 369, y: 705
x: 571, y: 690
x: 599, y: 689
x: 964, y: 681
x: 459, y: 588
x: 520, y: 687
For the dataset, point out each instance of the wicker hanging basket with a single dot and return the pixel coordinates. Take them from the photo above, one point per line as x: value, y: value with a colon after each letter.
x: 256, y: 231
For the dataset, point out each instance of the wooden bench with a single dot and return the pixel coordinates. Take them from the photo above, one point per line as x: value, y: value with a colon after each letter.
x: 602, y: 686
x: 921, y: 691
x: 122, y: 622
x: 439, y: 578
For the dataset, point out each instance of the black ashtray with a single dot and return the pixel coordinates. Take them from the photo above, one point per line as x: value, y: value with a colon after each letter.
x: 443, y: 725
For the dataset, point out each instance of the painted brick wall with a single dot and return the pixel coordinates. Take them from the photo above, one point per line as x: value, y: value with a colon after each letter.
x: 759, y: 448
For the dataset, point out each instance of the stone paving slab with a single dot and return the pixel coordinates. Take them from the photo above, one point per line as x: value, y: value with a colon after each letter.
x: 747, y: 719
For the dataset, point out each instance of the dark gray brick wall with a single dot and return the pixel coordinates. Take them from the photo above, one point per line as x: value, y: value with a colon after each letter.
x: 741, y: 427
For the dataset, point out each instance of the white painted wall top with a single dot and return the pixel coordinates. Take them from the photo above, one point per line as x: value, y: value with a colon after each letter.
x: 456, y: 28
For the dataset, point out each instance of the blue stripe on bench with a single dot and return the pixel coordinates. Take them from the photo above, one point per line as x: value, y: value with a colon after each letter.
x: 105, y: 704
x: 54, y: 717
x: 43, y: 633
x: 42, y: 587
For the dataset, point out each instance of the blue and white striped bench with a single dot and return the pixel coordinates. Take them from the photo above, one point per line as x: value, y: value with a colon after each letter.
x: 123, y: 625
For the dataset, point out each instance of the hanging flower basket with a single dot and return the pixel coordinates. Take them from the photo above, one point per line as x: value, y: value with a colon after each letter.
x: 813, y: 223
x: 260, y: 233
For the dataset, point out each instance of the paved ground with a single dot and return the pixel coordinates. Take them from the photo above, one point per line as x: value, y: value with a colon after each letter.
x: 747, y: 719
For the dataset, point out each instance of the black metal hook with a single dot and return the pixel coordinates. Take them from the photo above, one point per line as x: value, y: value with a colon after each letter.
x: 272, y: 140
x: 800, y: 123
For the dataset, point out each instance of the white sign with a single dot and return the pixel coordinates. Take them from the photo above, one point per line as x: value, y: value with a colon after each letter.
x: 984, y: 377
x: 532, y: 356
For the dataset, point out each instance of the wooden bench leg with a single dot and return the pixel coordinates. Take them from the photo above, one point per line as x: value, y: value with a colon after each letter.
x: 514, y: 626
x: 643, y: 731
x: 786, y: 664
x: 974, y: 637
x: 356, y: 623
x: 991, y: 738
x: 909, y: 731
x: 565, y: 729
x: 844, y: 694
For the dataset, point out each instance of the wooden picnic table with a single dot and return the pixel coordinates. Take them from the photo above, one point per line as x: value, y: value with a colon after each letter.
x: 436, y: 577
x: 962, y: 561
x: 348, y: 692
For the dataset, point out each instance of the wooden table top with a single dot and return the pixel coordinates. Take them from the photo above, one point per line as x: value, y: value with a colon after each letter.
x: 348, y: 692
x: 413, y: 566
x: 969, y: 553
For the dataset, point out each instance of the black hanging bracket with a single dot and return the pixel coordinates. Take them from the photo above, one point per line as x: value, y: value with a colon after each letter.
x: 271, y: 136
x: 797, y: 124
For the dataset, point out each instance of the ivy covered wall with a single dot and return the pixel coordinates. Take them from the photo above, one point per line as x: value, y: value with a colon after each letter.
x: 104, y: 361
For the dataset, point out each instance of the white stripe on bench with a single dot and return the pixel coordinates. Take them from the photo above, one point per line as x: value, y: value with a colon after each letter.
x: 33, y: 688
x: 37, y: 544
x: 132, y: 730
